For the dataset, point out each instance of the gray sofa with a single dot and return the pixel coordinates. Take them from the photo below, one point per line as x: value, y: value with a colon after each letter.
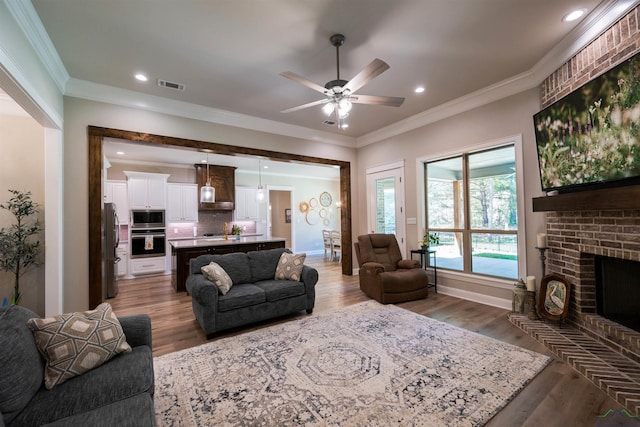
x: 254, y: 296
x: 117, y: 393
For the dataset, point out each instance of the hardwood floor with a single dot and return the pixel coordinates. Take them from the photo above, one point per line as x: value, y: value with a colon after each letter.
x: 558, y: 396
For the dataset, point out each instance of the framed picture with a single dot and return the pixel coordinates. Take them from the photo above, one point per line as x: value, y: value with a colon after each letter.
x: 287, y: 216
x: 553, y: 299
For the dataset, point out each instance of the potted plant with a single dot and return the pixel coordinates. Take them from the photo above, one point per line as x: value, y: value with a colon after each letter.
x: 429, y: 239
x: 236, y: 231
x: 18, y: 250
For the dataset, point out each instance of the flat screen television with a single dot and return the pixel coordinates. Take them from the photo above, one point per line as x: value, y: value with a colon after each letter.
x: 591, y: 137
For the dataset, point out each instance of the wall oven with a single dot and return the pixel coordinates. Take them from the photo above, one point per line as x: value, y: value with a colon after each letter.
x: 147, y: 243
x: 147, y: 218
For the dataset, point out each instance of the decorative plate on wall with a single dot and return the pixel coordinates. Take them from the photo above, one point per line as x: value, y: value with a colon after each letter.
x: 312, y: 217
x: 325, y: 199
x: 304, y: 206
x: 313, y: 202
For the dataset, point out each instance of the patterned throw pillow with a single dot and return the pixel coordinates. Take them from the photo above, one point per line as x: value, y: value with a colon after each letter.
x: 74, y: 343
x: 218, y: 276
x: 290, y: 266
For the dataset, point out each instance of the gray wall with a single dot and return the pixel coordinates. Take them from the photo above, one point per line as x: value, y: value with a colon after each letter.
x: 507, y: 117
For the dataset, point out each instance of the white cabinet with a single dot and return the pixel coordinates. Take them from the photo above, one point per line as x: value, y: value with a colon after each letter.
x: 147, y: 265
x: 182, y: 202
x: 116, y: 192
x: 246, y: 204
x: 147, y: 190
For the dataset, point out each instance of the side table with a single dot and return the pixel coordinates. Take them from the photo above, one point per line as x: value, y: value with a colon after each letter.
x: 428, y: 262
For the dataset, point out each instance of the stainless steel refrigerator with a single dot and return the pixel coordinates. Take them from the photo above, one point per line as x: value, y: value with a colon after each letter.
x: 111, y: 242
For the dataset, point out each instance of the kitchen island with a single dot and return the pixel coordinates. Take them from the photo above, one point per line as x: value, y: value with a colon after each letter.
x: 183, y: 250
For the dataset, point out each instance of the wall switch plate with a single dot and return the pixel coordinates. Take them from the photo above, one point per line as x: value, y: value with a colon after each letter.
x: 411, y: 221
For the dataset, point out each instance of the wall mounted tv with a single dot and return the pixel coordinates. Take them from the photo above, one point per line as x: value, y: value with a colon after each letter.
x: 591, y: 137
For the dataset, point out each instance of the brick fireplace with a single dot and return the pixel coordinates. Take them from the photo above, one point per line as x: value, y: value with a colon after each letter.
x: 574, y: 239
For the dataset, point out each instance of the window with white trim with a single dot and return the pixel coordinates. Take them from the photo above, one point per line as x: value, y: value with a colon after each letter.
x: 471, y: 205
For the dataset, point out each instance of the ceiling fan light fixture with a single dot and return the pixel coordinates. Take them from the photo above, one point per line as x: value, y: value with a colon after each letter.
x: 344, y: 107
x: 328, y: 108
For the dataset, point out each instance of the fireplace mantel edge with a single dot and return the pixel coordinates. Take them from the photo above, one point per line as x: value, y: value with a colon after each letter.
x: 619, y: 198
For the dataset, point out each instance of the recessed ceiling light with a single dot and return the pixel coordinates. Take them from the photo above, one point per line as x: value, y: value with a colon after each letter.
x: 120, y: 153
x: 419, y: 89
x: 141, y: 77
x: 203, y: 161
x: 573, y: 15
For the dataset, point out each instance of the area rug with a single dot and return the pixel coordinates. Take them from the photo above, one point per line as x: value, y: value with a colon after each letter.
x: 363, y: 365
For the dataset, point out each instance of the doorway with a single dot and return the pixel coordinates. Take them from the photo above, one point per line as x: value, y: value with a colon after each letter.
x: 279, y: 214
x: 385, y: 201
x: 95, y: 140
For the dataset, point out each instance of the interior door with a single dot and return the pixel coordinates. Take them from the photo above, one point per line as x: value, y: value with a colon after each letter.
x: 385, y: 202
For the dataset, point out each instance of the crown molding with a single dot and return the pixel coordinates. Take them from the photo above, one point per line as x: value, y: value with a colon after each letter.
x: 601, y: 18
x: 127, y: 98
x: 27, y: 18
x: 495, y: 92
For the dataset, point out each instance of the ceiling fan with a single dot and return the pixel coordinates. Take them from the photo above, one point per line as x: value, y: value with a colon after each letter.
x: 340, y: 94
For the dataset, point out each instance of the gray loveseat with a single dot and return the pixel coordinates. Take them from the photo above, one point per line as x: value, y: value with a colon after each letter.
x: 117, y: 393
x: 254, y: 296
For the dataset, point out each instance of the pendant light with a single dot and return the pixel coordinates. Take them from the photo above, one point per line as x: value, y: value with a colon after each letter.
x: 260, y: 189
x: 207, y: 192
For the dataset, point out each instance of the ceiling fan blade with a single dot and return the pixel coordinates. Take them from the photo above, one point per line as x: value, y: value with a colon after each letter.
x: 303, y: 106
x: 390, y: 101
x: 302, y: 80
x: 371, y: 71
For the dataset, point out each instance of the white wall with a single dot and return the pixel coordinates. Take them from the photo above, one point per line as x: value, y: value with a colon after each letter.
x: 81, y: 113
x: 22, y: 168
x: 507, y: 117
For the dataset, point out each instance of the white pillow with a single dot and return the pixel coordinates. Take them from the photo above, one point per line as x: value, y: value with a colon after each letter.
x: 290, y: 266
x: 218, y: 276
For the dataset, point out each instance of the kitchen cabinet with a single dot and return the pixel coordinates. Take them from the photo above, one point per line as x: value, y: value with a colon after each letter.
x: 182, y: 202
x: 223, y: 179
x: 183, y: 251
x: 116, y: 192
x: 246, y: 204
x: 147, y: 190
x: 147, y: 265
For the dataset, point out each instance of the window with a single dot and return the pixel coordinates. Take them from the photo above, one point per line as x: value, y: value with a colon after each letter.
x: 471, y: 204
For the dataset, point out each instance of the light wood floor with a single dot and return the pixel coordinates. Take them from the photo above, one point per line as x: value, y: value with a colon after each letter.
x: 558, y: 396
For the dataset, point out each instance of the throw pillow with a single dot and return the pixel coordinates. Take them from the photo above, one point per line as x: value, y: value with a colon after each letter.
x: 218, y: 276
x: 74, y: 343
x: 290, y: 266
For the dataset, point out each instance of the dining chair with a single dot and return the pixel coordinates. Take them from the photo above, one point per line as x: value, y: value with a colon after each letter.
x: 326, y: 238
x: 336, y: 240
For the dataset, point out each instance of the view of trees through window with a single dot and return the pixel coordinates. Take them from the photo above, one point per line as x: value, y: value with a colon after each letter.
x: 472, y: 206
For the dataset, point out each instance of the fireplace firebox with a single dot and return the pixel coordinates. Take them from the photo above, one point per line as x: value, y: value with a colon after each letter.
x: 618, y: 290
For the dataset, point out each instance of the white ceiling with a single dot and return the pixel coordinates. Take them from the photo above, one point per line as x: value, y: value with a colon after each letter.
x: 229, y: 54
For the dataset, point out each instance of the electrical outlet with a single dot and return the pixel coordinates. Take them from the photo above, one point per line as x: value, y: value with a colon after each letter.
x: 175, y: 231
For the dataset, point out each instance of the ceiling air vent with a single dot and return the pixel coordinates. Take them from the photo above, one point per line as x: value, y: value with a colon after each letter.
x: 329, y: 122
x: 170, y: 85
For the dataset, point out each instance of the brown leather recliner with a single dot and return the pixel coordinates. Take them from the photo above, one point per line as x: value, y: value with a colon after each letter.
x: 384, y: 275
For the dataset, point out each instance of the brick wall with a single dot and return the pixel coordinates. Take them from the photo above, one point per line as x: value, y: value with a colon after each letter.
x: 620, y: 42
x: 574, y: 238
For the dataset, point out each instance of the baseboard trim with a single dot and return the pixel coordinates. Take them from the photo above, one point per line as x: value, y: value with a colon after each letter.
x: 475, y: 297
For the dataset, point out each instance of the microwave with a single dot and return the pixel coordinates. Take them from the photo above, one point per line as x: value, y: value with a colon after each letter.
x: 147, y: 218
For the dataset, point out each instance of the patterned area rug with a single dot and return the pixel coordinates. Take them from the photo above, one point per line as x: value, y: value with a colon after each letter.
x: 364, y: 365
